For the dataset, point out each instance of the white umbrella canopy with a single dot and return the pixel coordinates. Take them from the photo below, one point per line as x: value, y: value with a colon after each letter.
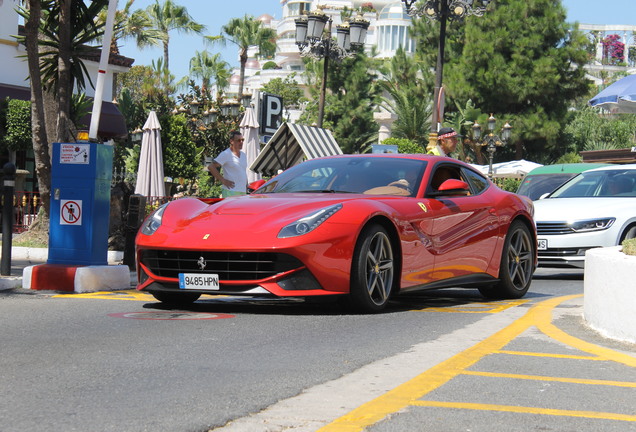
x: 511, y: 169
x: 249, y: 128
x: 619, y: 97
x: 150, y: 173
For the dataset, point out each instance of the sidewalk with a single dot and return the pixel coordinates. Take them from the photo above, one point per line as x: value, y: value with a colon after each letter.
x: 22, y: 257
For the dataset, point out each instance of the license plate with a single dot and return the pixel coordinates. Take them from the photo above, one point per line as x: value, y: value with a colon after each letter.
x: 542, y: 244
x: 198, y: 281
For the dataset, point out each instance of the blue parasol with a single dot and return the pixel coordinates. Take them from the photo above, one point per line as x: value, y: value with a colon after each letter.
x: 619, y: 97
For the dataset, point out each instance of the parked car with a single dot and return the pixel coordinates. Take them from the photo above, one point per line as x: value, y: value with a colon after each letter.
x: 545, y: 179
x: 362, y: 226
x: 597, y: 208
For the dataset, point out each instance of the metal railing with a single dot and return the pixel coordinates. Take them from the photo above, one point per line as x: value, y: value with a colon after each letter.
x: 25, y: 208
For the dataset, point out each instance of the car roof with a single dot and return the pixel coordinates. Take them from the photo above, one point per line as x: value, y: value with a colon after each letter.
x: 571, y: 168
x: 617, y: 167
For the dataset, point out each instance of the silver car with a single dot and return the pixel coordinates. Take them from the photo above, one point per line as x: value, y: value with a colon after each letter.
x: 597, y: 208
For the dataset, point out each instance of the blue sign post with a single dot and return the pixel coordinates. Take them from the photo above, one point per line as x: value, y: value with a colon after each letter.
x: 81, y: 174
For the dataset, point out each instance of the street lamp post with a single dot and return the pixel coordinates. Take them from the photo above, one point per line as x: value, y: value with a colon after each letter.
x: 313, y: 41
x: 492, y: 141
x: 443, y: 11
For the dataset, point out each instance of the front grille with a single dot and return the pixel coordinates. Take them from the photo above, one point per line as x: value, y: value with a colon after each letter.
x: 553, y: 228
x: 230, y: 266
x: 560, y: 252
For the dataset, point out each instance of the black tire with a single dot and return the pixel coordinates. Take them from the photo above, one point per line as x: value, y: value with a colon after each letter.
x: 372, y: 270
x: 175, y: 298
x: 629, y: 233
x: 517, y: 264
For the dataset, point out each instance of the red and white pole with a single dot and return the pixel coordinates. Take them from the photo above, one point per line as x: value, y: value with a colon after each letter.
x: 103, y: 66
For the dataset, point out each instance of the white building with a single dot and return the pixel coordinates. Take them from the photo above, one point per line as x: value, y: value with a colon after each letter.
x: 388, y: 30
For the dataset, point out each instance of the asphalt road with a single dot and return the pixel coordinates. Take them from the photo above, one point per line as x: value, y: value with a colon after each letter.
x: 440, y: 361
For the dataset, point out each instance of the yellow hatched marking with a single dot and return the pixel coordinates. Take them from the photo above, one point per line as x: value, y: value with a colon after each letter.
x: 559, y: 356
x: 553, y: 379
x: 528, y: 410
x: 540, y: 316
x: 476, y: 308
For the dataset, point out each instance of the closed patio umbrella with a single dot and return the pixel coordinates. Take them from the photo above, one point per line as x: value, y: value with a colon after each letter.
x: 150, y: 173
x: 249, y: 128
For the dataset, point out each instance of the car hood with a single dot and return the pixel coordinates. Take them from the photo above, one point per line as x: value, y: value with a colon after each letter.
x: 562, y: 209
x: 251, y: 220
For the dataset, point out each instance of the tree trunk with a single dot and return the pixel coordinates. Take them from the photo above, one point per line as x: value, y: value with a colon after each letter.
x: 243, y: 58
x: 64, y: 80
x: 40, y: 142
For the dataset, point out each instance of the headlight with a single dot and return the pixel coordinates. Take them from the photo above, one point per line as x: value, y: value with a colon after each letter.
x: 309, y: 223
x: 591, y: 225
x: 154, y: 221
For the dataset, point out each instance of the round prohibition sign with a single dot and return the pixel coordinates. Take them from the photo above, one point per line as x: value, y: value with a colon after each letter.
x: 71, y: 212
x: 170, y: 315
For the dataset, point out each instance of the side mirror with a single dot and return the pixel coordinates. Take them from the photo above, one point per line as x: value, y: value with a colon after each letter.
x: 255, y: 185
x: 452, y: 187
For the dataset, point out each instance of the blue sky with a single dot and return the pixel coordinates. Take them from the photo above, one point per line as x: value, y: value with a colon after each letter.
x: 216, y: 13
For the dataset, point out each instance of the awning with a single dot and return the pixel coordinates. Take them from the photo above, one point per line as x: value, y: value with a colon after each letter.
x: 111, y: 123
x: 291, y: 144
x: 619, y: 156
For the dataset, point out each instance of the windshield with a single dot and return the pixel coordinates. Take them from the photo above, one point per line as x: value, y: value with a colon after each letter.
x: 534, y: 186
x: 355, y: 174
x: 607, y: 183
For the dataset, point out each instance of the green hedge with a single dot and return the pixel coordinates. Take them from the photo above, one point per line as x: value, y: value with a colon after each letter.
x: 16, y: 124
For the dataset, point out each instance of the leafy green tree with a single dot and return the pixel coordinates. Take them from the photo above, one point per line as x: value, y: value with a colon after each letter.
x: 287, y: 88
x: 589, y: 131
x: 527, y: 71
x: 244, y: 33
x: 522, y: 62
x: 16, y: 132
x: 179, y: 151
x: 408, y: 95
x: 352, y: 96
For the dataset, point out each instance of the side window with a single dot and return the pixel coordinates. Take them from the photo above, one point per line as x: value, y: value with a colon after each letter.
x: 478, y: 183
x: 443, y: 173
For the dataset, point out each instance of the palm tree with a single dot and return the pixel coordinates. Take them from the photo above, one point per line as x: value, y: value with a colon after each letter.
x: 56, y: 35
x: 167, y: 17
x: 136, y: 25
x: 407, y: 96
x: 210, y: 67
x: 246, y: 32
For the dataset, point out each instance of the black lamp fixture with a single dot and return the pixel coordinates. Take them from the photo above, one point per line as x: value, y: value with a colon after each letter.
x: 443, y: 11
x: 246, y: 100
x: 194, y: 107
x: 491, y: 141
x: 313, y: 37
x: 136, y: 135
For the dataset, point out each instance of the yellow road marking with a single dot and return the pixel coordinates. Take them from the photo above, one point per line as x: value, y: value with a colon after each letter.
x: 408, y: 393
x: 528, y: 410
x: 491, y: 308
x: 111, y: 295
x: 554, y: 379
x: 559, y: 356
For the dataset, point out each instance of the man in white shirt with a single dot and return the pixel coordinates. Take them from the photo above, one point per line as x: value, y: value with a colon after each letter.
x: 234, y: 164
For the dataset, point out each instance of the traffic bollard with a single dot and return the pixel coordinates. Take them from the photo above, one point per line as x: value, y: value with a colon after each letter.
x: 8, y: 187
